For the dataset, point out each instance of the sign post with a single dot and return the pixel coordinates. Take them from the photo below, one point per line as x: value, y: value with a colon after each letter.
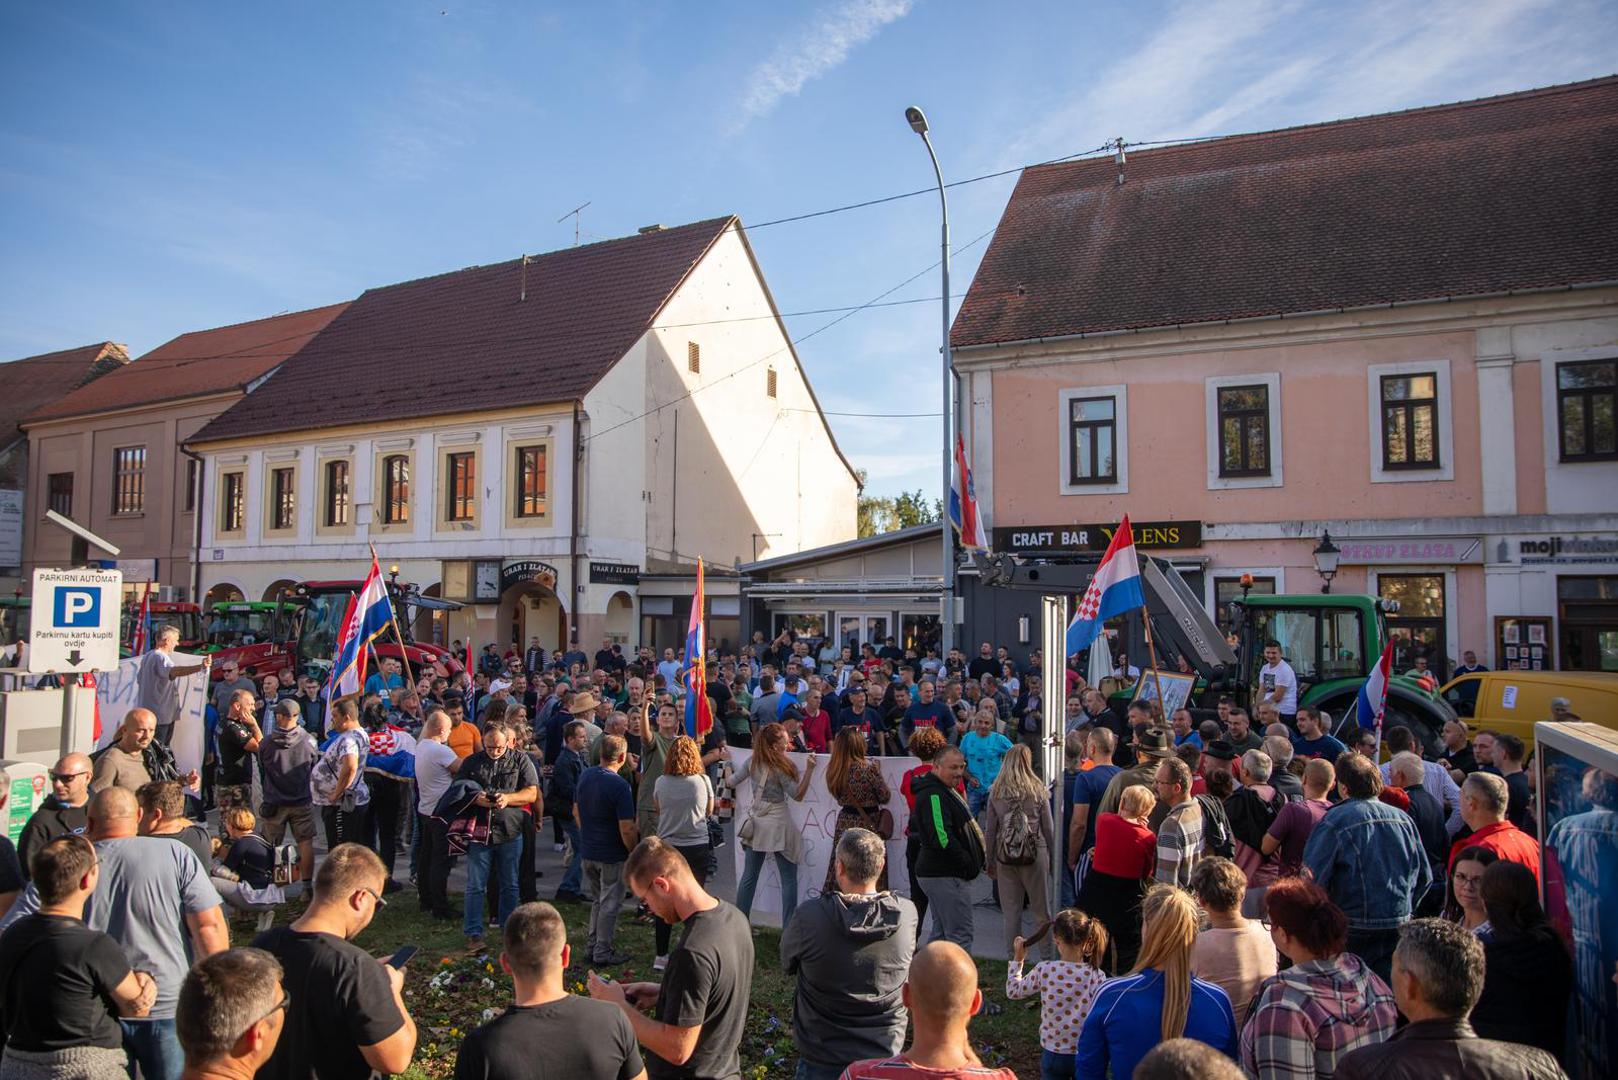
x: 74, y: 630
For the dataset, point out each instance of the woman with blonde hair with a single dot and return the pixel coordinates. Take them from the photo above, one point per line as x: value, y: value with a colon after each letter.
x: 1123, y: 860
x: 1018, y: 840
x: 683, y: 798
x: 861, y: 793
x: 768, y: 829
x: 1157, y: 1001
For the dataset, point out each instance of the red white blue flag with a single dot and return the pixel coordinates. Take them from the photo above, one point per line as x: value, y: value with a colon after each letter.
x: 366, y: 619
x: 698, y: 713
x: 1373, y: 699
x: 963, y: 503
x: 1114, y: 590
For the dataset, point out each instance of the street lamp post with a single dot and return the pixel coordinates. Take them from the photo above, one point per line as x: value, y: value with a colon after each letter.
x: 918, y: 123
x: 1327, y: 555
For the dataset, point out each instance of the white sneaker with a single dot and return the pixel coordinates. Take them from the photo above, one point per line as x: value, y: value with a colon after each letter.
x: 558, y: 847
x: 660, y: 964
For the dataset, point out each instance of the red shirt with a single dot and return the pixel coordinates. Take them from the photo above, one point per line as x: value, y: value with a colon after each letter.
x: 1505, y: 840
x: 899, y: 1068
x: 817, y: 731
x: 1123, y: 848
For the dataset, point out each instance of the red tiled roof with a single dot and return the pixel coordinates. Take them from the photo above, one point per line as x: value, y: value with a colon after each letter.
x: 465, y: 341
x: 1507, y: 193
x: 34, y: 383
x: 196, y: 364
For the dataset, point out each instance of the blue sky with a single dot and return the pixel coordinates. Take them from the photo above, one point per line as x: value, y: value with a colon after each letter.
x: 171, y: 167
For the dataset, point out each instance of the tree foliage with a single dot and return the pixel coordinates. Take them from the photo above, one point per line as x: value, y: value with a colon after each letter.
x: 885, y: 513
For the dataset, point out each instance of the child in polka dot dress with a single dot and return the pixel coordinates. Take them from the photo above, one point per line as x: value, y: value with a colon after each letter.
x: 1067, y: 987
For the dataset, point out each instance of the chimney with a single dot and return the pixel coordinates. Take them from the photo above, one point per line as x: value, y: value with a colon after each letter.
x: 645, y: 229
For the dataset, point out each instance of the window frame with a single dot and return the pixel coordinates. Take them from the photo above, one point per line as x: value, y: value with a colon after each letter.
x: 1243, y: 418
x: 229, y: 478
x: 519, y: 475
x: 128, y: 482
x: 393, y: 511
x: 1119, y: 482
x: 1443, y: 422
x: 1408, y: 407
x: 281, y: 502
x: 1092, y: 429
x: 467, y: 499
x: 52, y: 495
x: 331, y: 502
x: 1588, y: 394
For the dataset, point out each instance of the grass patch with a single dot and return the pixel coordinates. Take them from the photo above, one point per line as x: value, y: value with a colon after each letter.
x: 449, y: 993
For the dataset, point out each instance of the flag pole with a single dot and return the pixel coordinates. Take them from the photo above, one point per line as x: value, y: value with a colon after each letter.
x: 393, y: 621
x: 1151, y: 651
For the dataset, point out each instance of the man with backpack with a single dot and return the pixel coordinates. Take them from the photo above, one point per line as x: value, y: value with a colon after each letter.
x: 1251, y: 810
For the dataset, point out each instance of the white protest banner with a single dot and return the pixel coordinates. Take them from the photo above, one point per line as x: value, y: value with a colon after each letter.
x: 118, y: 691
x: 816, y: 819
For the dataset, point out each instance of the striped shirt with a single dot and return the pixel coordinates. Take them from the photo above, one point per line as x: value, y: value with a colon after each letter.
x: 1179, y: 844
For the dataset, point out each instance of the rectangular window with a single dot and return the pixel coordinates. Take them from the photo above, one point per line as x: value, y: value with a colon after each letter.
x: 693, y: 357
x: 59, y: 493
x: 283, y: 499
x: 337, y: 494
x: 1227, y: 589
x: 460, y: 488
x: 129, y: 480
x: 1410, y: 421
x: 193, y: 470
x: 1586, y: 404
x: 1092, y: 431
x: 769, y: 382
x: 532, y: 500
x: 396, y: 489
x: 1244, y: 431
x: 232, y: 502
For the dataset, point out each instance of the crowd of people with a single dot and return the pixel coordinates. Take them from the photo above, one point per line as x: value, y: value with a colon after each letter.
x: 1240, y: 894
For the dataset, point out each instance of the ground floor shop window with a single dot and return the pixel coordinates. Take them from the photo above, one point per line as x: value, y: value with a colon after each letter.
x: 1588, y: 610
x: 810, y: 625
x: 1417, y: 628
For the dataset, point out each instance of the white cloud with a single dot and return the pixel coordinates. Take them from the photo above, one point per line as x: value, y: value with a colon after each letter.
x: 811, y: 54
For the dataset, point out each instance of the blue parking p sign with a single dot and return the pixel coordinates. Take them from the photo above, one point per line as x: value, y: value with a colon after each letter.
x: 76, y: 607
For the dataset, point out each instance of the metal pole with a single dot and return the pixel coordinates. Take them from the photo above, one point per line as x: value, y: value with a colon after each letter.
x: 947, y: 605
x: 1053, y: 729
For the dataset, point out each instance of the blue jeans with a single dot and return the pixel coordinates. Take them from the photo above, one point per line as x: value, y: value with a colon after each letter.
x: 808, y: 1070
x: 154, y: 1046
x: 505, y: 857
x: 1053, y: 1066
x: 751, y: 868
x: 977, y: 798
x: 573, y: 876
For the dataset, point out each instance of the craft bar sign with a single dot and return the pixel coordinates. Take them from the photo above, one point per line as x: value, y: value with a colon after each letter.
x: 1070, y: 539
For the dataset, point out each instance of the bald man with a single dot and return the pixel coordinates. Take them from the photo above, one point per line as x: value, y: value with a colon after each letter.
x: 123, y: 764
x: 63, y: 812
x: 154, y: 898
x: 942, y: 995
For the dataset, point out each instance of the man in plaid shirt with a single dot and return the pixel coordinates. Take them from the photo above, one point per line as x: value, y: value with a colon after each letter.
x: 1179, y: 838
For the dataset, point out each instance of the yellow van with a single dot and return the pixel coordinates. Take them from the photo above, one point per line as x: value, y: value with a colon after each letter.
x: 1511, y: 702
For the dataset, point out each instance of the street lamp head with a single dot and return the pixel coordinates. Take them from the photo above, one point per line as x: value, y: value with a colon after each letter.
x: 1327, y: 555
x: 917, y: 120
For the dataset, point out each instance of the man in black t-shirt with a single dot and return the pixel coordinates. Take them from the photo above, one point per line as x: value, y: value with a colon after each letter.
x: 576, y: 1037
x: 700, y: 1010
x: 63, y: 986
x: 238, y: 737
x: 347, y: 1016
x: 510, y: 782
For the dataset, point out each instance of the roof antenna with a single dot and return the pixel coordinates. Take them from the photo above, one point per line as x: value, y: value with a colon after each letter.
x: 1118, y: 156
x: 524, y: 295
x: 574, y: 214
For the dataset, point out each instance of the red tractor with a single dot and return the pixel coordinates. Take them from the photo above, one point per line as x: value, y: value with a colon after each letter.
x: 323, y: 605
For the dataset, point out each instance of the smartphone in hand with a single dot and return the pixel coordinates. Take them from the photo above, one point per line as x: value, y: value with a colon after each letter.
x: 399, y: 959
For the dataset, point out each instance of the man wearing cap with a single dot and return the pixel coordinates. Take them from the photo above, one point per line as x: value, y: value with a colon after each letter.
x: 856, y: 713
x: 286, y: 755
x: 1151, y: 748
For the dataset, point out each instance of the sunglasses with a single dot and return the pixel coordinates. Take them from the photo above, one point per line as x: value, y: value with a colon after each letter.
x: 66, y: 777
x: 286, y: 1000
x: 380, y: 903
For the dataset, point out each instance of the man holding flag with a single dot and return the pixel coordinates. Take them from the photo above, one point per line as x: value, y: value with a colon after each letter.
x: 369, y: 615
x: 1373, y: 697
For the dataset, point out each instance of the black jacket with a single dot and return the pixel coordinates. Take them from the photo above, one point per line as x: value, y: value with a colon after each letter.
x: 1526, y: 984
x: 1428, y: 814
x: 951, y: 842
x: 1444, y: 1048
x: 51, y: 820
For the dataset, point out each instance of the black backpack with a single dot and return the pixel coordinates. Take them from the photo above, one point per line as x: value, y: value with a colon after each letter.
x: 1216, y: 837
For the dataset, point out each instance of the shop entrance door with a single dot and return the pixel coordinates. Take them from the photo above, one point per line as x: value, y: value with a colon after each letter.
x: 1589, y: 622
x: 1417, y: 628
x: 855, y: 630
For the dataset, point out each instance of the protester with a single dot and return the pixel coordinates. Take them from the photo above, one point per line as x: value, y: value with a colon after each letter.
x: 347, y: 1015
x: 1435, y: 777
x: 564, y: 786
x: 1406, y: 773
x: 1278, y: 684
x: 63, y: 985
x: 850, y: 949
x: 1087, y: 790
x: 238, y: 738
x: 1125, y: 859
x: 1509, y: 752
x: 1465, y: 901
x: 1018, y: 840
x: 1186, y: 1059
x: 508, y: 784
x: 1484, y: 799
x: 390, y: 769
x: 245, y: 876
x: 684, y: 801
x: 230, y: 680
x: 231, y: 1014
x: 768, y: 830
x: 1159, y: 999
x: 1180, y: 837
x: 862, y: 794
x: 952, y: 848
x: 123, y: 763
x: 63, y: 811
x: 1368, y: 858
x: 655, y: 744
x: 1528, y: 974
x: 1326, y: 1004
x: 1067, y: 986
x: 941, y: 992
x: 926, y: 711
x: 924, y: 746
x: 1233, y: 952
x: 155, y: 681
x: 700, y: 1010
x: 1437, y: 977
x: 464, y: 737
x: 286, y: 758
x: 436, y: 765
x: 545, y: 1026
x: 985, y: 749
x: 1312, y: 739
x: 604, y: 808
x: 162, y: 813
x: 1456, y: 756
x: 1239, y: 732
x: 1151, y: 748
x: 337, y: 780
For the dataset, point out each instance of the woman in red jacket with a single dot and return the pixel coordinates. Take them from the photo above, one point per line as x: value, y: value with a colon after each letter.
x: 1122, y: 864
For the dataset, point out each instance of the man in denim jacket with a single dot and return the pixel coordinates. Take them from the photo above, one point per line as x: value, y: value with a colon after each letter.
x: 1369, y: 859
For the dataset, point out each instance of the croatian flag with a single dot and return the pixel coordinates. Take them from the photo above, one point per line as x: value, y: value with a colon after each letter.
x: 698, y: 714
x: 1114, y: 590
x: 369, y: 615
x: 1373, y: 699
x: 963, y: 509
x: 143, y: 622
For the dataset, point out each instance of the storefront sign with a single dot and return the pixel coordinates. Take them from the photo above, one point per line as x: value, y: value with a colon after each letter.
x: 527, y: 570
x: 1467, y: 549
x: 613, y: 573
x: 1568, y: 549
x: 1067, y: 539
